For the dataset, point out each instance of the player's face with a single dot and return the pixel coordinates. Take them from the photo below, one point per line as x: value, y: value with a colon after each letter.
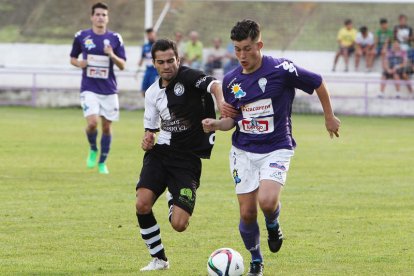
x: 249, y: 54
x: 167, y: 65
x: 100, y: 18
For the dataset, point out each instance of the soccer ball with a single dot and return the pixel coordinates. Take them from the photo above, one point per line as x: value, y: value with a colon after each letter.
x: 225, y: 262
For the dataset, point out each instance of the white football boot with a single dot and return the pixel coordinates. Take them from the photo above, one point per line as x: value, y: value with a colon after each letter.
x: 156, y: 264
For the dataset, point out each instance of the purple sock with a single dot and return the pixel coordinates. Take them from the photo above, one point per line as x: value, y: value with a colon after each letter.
x: 251, y: 237
x: 105, y: 146
x: 92, y: 140
x: 272, y: 219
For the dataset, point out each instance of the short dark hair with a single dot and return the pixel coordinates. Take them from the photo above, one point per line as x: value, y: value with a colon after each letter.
x: 383, y: 20
x: 402, y: 16
x: 149, y: 30
x: 99, y: 5
x: 363, y: 29
x: 347, y: 21
x: 164, y: 45
x: 245, y: 29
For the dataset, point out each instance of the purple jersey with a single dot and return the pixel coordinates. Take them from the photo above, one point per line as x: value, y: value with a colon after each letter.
x: 265, y: 99
x: 98, y: 76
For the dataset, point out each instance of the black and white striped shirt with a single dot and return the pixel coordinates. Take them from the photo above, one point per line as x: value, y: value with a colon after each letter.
x: 177, y: 110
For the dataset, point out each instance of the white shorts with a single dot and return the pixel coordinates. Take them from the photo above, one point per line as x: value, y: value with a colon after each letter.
x: 248, y: 169
x: 102, y: 105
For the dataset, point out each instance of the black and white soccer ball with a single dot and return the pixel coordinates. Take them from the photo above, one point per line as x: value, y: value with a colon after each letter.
x: 225, y: 262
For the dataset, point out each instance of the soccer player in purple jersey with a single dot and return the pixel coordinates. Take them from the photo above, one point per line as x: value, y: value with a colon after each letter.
x: 100, y: 49
x: 263, y: 89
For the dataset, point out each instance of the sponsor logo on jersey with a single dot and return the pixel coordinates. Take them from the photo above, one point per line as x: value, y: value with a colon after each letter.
x: 89, y: 44
x: 178, y: 89
x: 262, y: 84
x: 237, y: 91
x: 200, y: 81
x: 231, y: 82
x: 258, y: 108
x: 288, y: 66
x: 278, y: 166
x: 173, y: 126
x: 256, y: 125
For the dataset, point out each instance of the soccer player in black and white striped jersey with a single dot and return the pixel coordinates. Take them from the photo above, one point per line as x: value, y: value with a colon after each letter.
x: 175, y: 105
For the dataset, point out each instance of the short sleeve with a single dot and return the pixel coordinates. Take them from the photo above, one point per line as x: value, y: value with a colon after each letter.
x: 120, y: 49
x: 151, y: 114
x: 301, y: 78
x: 76, y: 45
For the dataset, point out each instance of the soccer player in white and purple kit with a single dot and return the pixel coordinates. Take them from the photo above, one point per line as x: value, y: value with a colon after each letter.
x: 100, y: 49
x: 263, y: 89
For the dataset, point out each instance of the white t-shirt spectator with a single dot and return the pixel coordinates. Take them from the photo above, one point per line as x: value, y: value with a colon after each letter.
x: 365, y: 41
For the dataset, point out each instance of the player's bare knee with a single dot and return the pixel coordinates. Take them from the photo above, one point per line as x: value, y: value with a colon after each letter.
x: 106, y: 129
x: 143, y: 207
x: 179, y: 225
x: 248, y: 216
x: 92, y: 126
x: 268, y: 206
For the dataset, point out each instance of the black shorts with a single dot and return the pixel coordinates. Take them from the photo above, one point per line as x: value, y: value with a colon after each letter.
x: 179, y: 171
x: 400, y: 73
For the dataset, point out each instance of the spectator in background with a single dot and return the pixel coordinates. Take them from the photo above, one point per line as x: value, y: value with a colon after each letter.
x: 346, y: 40
x: 364, y: 46
x: 403, y: 33
x: 180, y: 45
x: 215, y: 57
x: 383, y: 39
x: 231, y: 59
x: 394, y: 66
x: 150, y: 74
x: 193, y: 54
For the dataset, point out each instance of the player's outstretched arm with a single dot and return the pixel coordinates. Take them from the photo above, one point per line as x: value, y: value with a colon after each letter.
x: 332, y: 123
x: 213, y: 124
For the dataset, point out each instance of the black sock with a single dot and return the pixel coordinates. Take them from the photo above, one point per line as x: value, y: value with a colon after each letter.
x: 150, y: 233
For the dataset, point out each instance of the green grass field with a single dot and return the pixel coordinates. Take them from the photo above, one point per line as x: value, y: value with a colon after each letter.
x: 348, y: 206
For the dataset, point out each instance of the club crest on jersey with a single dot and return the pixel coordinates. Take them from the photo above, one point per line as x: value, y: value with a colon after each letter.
x: 288, y: 66
x: 237, y: 91
x: 262, y: 84
x: 89, y: 44
x: 178, y: 89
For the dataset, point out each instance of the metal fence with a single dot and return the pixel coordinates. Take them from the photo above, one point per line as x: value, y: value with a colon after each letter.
x: 353, y: 94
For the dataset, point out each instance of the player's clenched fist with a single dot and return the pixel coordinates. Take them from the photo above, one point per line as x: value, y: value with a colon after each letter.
x: 209, y: 125
x: 148, y: 141
x: 213, y: 124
